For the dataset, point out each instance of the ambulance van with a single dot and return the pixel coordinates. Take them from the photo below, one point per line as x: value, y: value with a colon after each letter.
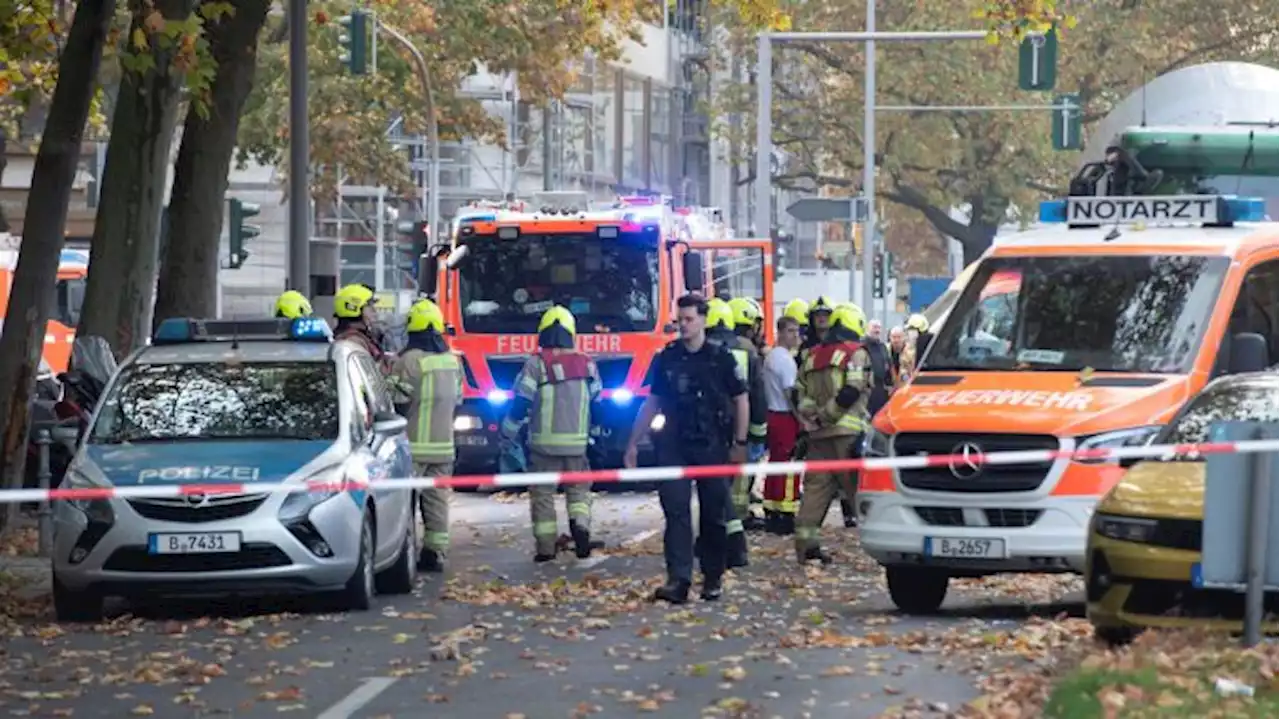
x: 1087, y: 332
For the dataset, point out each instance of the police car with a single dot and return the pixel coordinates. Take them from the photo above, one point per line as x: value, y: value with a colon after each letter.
x: 239, y: 402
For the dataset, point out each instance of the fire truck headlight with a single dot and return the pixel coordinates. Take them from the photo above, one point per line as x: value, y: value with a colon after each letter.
x: 659, y: 421
x: 497, y: 396
x: 622, y: 396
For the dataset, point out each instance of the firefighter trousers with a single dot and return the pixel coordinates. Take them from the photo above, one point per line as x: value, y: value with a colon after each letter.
x: 782, y: 492
x: 434, y: 506
x: 820, y: 488
x: 542, y: 499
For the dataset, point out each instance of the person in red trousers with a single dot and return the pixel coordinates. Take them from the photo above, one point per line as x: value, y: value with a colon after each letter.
x: 782, y: 493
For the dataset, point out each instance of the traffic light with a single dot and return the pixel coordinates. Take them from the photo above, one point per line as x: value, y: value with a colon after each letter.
x: 355, y: 41
x: 240, y: 232
x: 877, y: 276
x: 419, y: 231
x: 781, y: 243
x: 1038, y: 61
x: 1068, y: 121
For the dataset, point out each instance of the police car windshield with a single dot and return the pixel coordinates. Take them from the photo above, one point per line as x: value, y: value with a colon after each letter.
x: 610, y: 285
x: 1106, y: 312
x: 217, y: 401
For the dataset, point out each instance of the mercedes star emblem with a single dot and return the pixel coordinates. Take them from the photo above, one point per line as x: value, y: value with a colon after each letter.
x: 966, y: 461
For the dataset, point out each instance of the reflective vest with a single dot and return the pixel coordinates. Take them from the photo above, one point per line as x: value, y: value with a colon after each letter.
x: 560, y: 417
x: 824, y: 374
x: 438, y: 392
x: 743, y: 351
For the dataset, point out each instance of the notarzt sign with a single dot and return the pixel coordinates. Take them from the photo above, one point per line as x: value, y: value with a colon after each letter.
x: 1129, y: 210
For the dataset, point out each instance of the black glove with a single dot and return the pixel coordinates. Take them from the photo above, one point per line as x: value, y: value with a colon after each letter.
x: 856, y: 447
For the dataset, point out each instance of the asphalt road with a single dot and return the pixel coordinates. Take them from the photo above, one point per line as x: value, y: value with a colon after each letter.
x: 499, y: 637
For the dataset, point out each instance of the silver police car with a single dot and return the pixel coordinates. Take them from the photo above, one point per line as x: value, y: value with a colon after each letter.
x: 238, y: 402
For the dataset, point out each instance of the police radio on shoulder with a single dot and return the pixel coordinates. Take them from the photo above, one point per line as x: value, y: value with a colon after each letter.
x: 1156, y: 209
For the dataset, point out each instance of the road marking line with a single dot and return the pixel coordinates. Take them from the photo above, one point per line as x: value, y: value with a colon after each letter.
x: 358, y: 699
x: 601, y: 558
x: 640, y: 537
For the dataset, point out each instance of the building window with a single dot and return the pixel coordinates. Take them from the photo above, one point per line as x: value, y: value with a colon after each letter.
x: 633, y: 127
x: 604, y: 126
x: 660, y: 175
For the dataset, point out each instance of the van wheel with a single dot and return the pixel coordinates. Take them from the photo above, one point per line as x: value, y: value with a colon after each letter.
x: 70, y: 605
x: 402, y: 577
x: 917, y: 590
x: 358, y: 594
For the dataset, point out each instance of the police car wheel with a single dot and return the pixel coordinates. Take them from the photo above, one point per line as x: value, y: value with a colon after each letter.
x: 917, y: 590
x: 76, y: 606
x: 401, y: 577
x: 358, y: 594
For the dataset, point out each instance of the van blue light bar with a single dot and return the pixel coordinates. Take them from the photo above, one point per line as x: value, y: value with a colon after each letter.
x: 183, y: 330
x: 489, y: 217
x: 1163, y: 209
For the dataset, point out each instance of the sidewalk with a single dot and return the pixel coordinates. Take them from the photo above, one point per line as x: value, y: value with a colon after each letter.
x: 22, y: 574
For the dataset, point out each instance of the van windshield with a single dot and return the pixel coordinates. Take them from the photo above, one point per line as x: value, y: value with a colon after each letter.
x: 1111, y: 313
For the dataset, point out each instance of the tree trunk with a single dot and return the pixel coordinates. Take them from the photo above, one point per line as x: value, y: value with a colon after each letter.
x: 31, y: 297
x: 119, y: 297
x: 977, y: 240
x: 188, y: 282
x: 4, y: 162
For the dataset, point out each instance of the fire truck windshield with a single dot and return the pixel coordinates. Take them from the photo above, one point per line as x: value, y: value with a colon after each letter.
x: 610, y: 285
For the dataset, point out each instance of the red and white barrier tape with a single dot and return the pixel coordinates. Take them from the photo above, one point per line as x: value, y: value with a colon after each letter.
x: 648, y: 474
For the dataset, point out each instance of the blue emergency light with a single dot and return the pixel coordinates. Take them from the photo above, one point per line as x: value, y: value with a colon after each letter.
x: 497, y: 396
x: 1094, y: 211
x: 182, y: 330
x: 622, y: 395
x: 489, y: 217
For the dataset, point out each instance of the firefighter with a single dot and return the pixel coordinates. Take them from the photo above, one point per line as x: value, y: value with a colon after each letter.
x: 819, y: 315
x: 555, y: 391
x: 834, y: 384
x: 720, y: 329
x: 292, y: 305
x: 918, y: 337
x: 357, y: 316
x: 433, y: 378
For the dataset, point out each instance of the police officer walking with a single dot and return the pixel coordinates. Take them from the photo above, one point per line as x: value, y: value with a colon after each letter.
x: 700, y: 390
x: 834, y: 385
x: 429, y: 382
x: 554, y: 391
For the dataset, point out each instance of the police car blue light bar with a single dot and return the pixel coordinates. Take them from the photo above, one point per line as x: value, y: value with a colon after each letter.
x: 179, y: 330
x: 1159, y: 209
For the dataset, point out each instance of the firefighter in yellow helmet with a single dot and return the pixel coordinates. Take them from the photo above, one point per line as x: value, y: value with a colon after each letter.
x: 918, y: 337
x: 357, y: 315
x: 554, y: 392
x: 292, y: 305
x: 722, y: 322
x: 431, y: 378
x: 819, y: 316
x: 834, y: 384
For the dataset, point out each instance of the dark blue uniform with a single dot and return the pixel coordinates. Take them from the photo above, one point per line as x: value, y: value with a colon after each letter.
x: 696, y: 392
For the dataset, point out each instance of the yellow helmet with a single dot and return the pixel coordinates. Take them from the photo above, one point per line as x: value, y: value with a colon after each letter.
x: 719, y: 314
x: 425, y: 315
x: 561, y: 315
x: 850, y: 317
x: 918, y: 322
x: 820, y: 305
x: 349, y: 303
x: 745, y: 311
x: 797, y: 310
x: 293, y: 304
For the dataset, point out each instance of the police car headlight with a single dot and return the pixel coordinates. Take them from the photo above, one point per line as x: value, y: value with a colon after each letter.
x: 466, y: 423
x: 1132, y: 437
x: 300, y: 503
x: 875, y: 443
x: 659, y: 421
x: 97, y: 510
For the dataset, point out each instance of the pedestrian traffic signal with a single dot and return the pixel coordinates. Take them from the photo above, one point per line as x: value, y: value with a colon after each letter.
x: 241, y: 232
x: 354, y: 40
x: 1038, y: 61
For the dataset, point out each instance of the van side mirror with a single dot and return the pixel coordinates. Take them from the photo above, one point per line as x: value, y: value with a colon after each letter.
x: 427, y: 268
x: 386, y: 424
x: 693, y: 272
x: 1127, y: 462
x: 1248, y: 353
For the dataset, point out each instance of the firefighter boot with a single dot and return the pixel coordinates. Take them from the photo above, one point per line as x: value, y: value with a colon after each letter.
x: 672, y: 592
x: 815, y: 553
x: 846, y: 508
x: 429, y: 560
x: 712, y: 588
x: 582, y: 545
x: 786, y: 524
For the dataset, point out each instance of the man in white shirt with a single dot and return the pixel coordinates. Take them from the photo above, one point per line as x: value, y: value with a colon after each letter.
x: 782, y: 493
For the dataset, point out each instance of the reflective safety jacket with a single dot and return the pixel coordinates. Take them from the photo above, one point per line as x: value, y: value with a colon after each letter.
x: 834, y: 385
x: 434, y: 388
x: 747, y: 356
x: 554, y: 390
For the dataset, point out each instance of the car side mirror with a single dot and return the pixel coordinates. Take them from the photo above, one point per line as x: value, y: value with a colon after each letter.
x: 68, y: 433
x: 1248, y: 353
x: 693, y: 272
x: 388, y: 423
x: 1128, y: 462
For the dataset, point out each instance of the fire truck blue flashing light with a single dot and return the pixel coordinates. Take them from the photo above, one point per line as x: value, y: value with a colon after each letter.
x: 498, y: 396
x: 622, y: 395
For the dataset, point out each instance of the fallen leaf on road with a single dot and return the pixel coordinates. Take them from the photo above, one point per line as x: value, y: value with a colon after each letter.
x: 838, y: 671
x: 734, y: 674
x: 401, y: 638
x: 142, y: 710
x: 649, y: 705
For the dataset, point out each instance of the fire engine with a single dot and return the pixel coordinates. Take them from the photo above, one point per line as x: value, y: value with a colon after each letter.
x: 619, y: 268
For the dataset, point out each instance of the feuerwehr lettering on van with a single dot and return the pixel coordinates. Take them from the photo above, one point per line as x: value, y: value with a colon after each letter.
x: 1071, y: 401
x: 224, y: 473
